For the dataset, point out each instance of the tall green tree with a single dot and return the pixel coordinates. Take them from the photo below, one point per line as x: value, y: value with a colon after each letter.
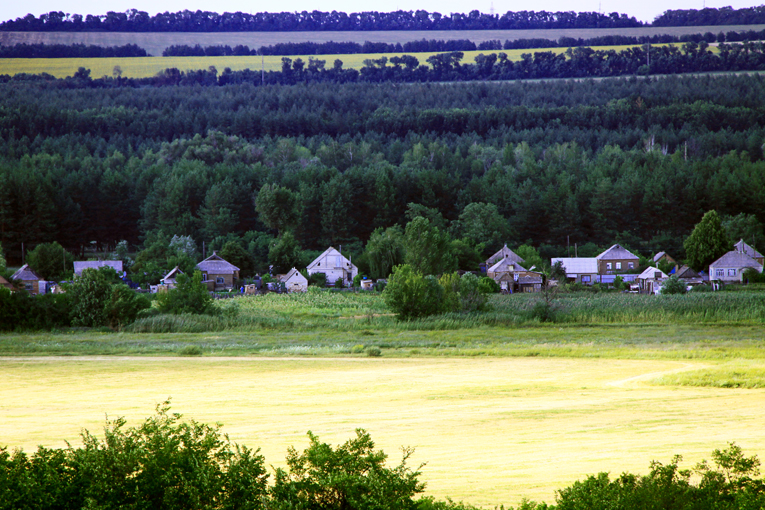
x: 277, y: 207
x: 707, y: 242
x: 51, y: 261
x: 427, y: 248
x: 481, y: 223
x: 410, y: 294
x: 384, y: 250
x: 285, y: 254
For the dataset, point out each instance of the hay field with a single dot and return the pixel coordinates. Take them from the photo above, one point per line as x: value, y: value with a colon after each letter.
x: 143, y: 67
x: 492, y: 430
x: 155, y: 43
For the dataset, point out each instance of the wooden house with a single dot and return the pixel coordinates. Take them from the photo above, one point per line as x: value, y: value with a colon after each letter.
x: 218, y: 273
x: 334, y: 266
x: 579, y: 269
x: 512, y: 277
x: 742, y: 247
x: 294, y: 281
x: 616, y: 260
x: 170, y: 278
x: 731, y: 266
x: 504, y: 253
x: 82, y: 265
x: 28, y: 279
x: 689, y: 276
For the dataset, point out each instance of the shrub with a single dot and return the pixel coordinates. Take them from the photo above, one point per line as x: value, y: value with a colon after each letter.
x: 544, y: 312
x: 317, y: 279
x: 374, y: 352
x: 751, y: 275
x: 189, y: 296
x: 673, y: 285
x: 190, y: 350
x: 357, y: 349
x: 123, y: 306
x: 410, y: 294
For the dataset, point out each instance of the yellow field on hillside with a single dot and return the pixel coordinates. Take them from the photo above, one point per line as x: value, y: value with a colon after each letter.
x: 142, y: 67
x: 492, y: 430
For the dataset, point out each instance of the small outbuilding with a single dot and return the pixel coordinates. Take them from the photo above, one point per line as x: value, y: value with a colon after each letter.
x: 650, y: 280
x: 294, y: 281
x: 170, y: 278
x: 29, y: 280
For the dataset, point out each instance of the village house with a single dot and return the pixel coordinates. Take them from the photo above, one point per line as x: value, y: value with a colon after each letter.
x: 294, y: 281
x: 82, y: 265
x: 650, y: 280
x: 169, y: 280
x: 742, y: 247
x: 616, y: 260
x: 579, y: 269
x: 512, y: 277
x: 5, y: 283
x: 30, y: 281
x: 218, y: 273
x: 504, y: 253
x: 332, y: 264
x: 689, y: 276
x: 731, y: 266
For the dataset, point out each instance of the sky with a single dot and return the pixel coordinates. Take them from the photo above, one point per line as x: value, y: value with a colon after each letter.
x: 645, y: 10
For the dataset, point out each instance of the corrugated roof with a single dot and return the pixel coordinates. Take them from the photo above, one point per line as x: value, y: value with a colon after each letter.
x: 659, y: 256
x: 214, y: 264
x: 25, y: 274
x: 80, y: 266
x: 741, y: 246
x: 530, y: 279
x: 650, y: 274
x: 504, y: 253
x: 735, y: 259
x: 617, y: 252
x: 687, y: 272
x: 578, y: 265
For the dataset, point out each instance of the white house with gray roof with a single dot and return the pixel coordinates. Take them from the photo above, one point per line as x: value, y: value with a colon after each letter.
x: 731, y: 266
x: 334, y: 266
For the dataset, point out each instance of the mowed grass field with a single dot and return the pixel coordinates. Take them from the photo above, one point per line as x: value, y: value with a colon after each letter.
x: 492, y: 430
x: 143, y: 67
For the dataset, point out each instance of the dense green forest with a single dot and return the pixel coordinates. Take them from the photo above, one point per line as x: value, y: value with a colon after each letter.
x: 636, y: 161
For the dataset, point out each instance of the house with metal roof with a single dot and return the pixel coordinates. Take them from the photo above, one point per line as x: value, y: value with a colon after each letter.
x: 218, y: 273
x: 651, y: 279
x: 170, y: 278
x: 82, y: 265
x: 617, y: 259
x: 731, y: 266
x: 579, y: 269
x: 742, y: 247
x: 334, y: 266
x: 29, y: 280
x: 689, y: 276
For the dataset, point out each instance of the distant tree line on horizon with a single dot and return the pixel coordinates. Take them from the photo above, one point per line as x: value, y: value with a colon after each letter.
x: 134, y: 20
x: 433, y: 45
x: 41, y: 50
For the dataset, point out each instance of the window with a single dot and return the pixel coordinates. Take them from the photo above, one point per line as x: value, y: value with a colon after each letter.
x: 631, y: 265
x: 28, y: 286
x: 586, y: 277
x: 608, y: 266
x: 731, y: 272
x: 618, y: 265
x: 719, y: 273
x: 220, y: 280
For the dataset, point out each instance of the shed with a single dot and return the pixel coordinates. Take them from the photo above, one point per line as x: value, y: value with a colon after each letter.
x: 334, y: 266
x: 689, y: 276
x: 170, y: 278
x: 28, y: 279
x: 650, y: 280
x: 82, y: 265
x: 221, y: 273
x: 294, y: 281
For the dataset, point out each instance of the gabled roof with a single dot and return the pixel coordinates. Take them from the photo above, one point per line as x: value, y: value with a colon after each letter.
x: 506, y: 265
x: 292, y: 273
x: 735, y: 259
x: 214, y: 264
x: 687, y: 272
x: 742, y: 247
x: 25, y: 274
x: 617, y: 252
x: 5, y: 283
x: 578, y: 265
x: 173, y: 274
x: 332, y: 253
x: 504, y: 253
x: 650, y: 274
x: 80, y: 266
x: 661, y: 255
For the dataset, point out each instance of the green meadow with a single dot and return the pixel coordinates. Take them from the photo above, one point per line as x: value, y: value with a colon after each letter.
x: 499, y: 406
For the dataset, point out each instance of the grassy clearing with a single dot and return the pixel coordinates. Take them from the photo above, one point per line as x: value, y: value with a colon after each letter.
x: 491, y: 430
x: 155, y: 43
x: 143, y: 67
x: 740, y: 374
